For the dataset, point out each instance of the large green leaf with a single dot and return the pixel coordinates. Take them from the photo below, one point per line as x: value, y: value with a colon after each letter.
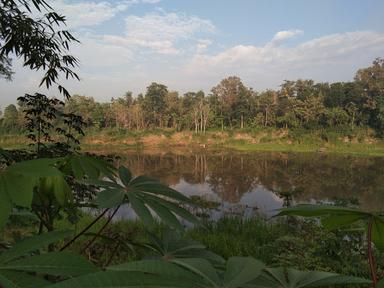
x: 378, y: 232
x: 380, y: 284
x: 158, y: 267
x: 241, y: 270
x: 19, y: 188
x: 125, y: 175
x: 55, y: 263
x: 91, y: 166
x: 339, y: 216
x: 292, y: 278
x: 18, y: 181
x: 23, y: 280
x: 109, y: 198
x: 309, y: 210
x: 173, y: 245
x: 146, y: 196
x: 56, y: 186
x: 165, y: 214
x: 31, y: 244
x: 202, y: 268
x: 7, y: 283
x: 124, y: 279
x: 338, y: 221
x: 44, y: 167
x: 140, y: 209
x: 5, y: 207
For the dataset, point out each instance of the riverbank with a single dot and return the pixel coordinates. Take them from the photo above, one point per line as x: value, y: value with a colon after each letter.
x: 360, y: 142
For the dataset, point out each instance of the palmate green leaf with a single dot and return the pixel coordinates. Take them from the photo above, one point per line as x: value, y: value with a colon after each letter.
x: 55, y: 263
x: 309, y: 210
x: 140, y: 209
x: 23, y: 280
x: 339, y: 217
x: 123, y: 279
x: 7, y: 283
x: 125, y: 175
x: 57, y: 186
x: 378, y: 232
x: 110, y: 198
x: 380, y: 284
x: 31, y: 244
x: 5, y: 207
x: 241, y: 270
x: 84, y: 165
x: 165, y: 214
x: 337, y: 221
x: 149, y: 185
x: 146, y: 196
x: 37, y: 168
x: 292, y: 278
x: 202, y: 268
x: 183, y: 213
x: 158, y: 267
x: 173, y: 245
x: 18, y: 181
x: 19, y: 188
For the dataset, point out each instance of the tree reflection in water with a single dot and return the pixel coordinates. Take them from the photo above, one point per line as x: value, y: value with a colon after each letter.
x: 266, y: 181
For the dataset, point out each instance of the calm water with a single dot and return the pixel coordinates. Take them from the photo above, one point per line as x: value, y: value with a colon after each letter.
x: 260, y: 183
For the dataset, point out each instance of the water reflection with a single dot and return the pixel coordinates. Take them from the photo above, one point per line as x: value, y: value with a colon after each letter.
x: 266, y: 181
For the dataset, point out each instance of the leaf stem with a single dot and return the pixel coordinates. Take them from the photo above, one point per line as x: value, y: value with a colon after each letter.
x: 84, y: 230
x: 101, y: 230
x: 371, y: 258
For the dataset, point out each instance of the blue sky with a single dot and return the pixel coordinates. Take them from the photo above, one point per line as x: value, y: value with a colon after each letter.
x: 192, y: 44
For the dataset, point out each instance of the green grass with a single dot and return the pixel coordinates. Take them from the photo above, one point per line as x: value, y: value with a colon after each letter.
x: 359, y: 149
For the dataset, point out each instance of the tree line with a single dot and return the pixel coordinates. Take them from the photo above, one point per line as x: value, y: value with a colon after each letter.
x: 232, y: 105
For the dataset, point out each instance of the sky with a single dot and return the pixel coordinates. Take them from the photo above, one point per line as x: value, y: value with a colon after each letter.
x: 190, y: 45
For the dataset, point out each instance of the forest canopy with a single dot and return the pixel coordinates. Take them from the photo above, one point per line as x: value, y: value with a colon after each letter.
x: 231, y: 104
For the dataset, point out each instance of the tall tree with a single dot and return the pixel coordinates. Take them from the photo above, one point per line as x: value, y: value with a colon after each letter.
x: 371, y: 80
x: 231, y: 95
x: 154, y: 103
x: 10, y: 118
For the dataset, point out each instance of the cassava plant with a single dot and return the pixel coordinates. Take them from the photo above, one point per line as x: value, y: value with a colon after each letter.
x: 333, y: 217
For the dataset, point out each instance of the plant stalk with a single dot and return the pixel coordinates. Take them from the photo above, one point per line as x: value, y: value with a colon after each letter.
x: 84, y: 230
x: 101, y: 230
x: 371, y: 258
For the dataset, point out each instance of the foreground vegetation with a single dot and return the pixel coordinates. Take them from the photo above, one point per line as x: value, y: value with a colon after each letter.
x: 301, y: 244
x: 50, y: 186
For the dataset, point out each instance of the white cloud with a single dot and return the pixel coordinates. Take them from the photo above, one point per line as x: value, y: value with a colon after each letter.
x: 202, y: 45
x: 327, y: 49
x: 161, y: 32
x: 286, y: 34
x: 82, y: 14
x: 85, y: 14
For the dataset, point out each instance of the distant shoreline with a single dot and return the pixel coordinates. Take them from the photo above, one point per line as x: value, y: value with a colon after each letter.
x: 278, y: 140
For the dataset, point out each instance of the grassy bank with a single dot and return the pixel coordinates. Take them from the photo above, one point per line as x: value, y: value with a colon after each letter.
x: 358, y: 142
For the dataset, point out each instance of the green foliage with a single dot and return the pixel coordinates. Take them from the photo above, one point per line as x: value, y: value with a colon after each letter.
x: 142, y: 193
x: 38, y: 41
x: 18, y: 262
x: 291, y: 278
x: 337, y: 217
x: 173, y: 245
